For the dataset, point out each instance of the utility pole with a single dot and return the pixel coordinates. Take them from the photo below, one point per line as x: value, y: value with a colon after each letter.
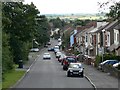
x: 103, y: 32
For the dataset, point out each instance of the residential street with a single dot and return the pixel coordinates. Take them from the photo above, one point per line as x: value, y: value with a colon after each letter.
x: 49, y: 74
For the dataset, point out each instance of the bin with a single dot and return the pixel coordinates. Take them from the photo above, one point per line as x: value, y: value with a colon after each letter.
x: 20, y: 64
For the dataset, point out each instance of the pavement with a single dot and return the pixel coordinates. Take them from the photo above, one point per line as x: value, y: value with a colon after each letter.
x: 101, y: 79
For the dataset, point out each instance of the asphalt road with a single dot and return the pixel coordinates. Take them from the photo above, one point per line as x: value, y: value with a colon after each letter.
x: 49, y: 74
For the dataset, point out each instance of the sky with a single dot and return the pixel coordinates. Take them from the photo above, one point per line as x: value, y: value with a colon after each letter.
x: 67, y: 6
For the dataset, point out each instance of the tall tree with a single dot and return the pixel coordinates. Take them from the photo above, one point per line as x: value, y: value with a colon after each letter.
x: 114, y: 11
x: 43, y: 30
x: 19, y: 22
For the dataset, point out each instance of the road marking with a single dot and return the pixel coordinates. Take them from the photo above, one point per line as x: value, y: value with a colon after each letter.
x: 24, y: 74
x: 32, y: 64
x: 90, y: 82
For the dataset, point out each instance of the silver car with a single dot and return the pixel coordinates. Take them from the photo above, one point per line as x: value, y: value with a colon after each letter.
x: 46, y: 56
x: 75, y: 69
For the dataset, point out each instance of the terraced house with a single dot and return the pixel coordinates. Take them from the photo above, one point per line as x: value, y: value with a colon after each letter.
x: 104, y: 38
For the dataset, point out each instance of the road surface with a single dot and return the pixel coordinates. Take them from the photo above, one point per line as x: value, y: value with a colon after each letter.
x: 49, y: 74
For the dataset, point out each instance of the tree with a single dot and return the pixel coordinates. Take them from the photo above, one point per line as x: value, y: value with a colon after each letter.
x: 114, y: 11
x: 19, y: 22
x: 58, y: 23
x: 43, y: 30
x: 7, y: 58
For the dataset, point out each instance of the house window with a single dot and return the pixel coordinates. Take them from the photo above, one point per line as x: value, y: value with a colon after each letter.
x: 117, y: 37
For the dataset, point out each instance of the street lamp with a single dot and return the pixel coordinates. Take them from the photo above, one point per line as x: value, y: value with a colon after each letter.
x: 103, y: 32
x: 32, y: 42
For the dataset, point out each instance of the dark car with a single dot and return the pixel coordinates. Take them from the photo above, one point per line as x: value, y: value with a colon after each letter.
x: 51, y: 49
x: 68, y: 60
x: 46, y: 45
x: 75, y: 69
x: 107, y: 62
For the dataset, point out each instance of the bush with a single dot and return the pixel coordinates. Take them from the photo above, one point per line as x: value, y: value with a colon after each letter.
x: 76, y: 52
x: 106, y: 57
x: 98, y: 60
x: 111, y: 56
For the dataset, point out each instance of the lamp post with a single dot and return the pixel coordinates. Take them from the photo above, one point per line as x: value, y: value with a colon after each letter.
x: 103, y: 32
x: 32, y: 42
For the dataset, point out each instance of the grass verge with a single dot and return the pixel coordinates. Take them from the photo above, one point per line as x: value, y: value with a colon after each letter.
x: 11, y: 78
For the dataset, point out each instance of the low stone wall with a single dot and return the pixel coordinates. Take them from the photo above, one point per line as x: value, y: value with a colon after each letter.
x: 111, y: 70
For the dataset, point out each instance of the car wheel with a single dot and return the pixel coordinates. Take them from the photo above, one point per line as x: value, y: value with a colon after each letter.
x: 64, y: 68
x: 68, y: 74
x: 82, y: 74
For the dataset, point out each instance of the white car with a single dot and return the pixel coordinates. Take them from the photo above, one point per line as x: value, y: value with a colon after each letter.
x: 56, y: 50
x: 75, y: 69
x: 34, y: 50
x: 46, y: 56
x: 116, y: 65
x: 59, y: 39
x: 58, y: 54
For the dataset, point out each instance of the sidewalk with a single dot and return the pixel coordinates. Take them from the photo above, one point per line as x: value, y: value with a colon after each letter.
x: 99, y: 78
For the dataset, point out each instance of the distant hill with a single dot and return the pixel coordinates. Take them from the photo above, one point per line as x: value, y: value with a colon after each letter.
x: 80, y: 16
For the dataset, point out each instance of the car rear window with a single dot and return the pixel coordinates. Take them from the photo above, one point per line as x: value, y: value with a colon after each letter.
x: 71, y: 59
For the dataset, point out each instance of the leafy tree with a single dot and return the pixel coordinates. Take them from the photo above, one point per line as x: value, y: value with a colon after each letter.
x: 19, y: 22
x: 58, y: 23
x: 114, y: 11
x: 81, y: 22
x: 7, y: 58
x: 43, y: 30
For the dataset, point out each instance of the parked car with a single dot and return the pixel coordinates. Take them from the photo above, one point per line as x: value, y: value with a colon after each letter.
x: 49, y: 43
x: 107, y: 62
x: 68, y: 60
x: 75, y: 69
x: 62, y: 61
x: 61, y: 57
x: 34, y: 50
x: 46, y: 45
x: 51, y: 49
x: 56, y: 47
x: 56, y: 50
x: 46, y: 56
x: 59, y: 40
x: 116, y: 65
x: 58, y: 54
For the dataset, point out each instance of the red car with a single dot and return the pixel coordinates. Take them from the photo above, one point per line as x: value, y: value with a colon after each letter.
x: 68, y: 60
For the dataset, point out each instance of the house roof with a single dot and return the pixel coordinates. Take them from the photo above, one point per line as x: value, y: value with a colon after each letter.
x: 111, y: 25
x: 118, y: 46
x: 101, y: 28
x: 117, y: 27
x: 114, y: 46
x: 99, y: 24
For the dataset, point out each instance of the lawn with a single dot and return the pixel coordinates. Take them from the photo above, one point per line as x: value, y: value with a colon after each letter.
x: 11, y: 78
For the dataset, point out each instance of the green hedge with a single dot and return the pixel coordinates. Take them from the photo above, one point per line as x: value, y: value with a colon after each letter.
x: 106, y: 57
x: 98, y: 60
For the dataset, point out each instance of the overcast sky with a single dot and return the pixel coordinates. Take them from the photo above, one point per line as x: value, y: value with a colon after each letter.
x: 66, y: 6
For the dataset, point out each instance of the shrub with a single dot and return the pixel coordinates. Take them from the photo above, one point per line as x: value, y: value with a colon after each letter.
x: 98, y: 60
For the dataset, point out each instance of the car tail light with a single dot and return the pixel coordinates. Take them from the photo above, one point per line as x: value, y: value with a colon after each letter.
x: 65, y: 62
